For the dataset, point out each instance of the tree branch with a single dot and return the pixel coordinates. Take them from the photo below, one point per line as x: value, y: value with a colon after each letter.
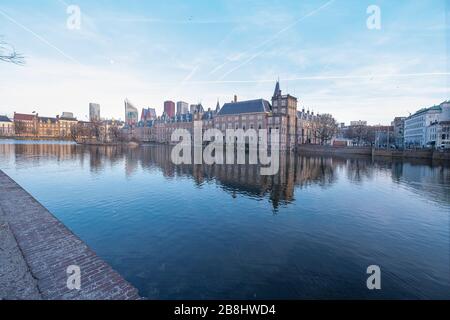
x: 9, y: 54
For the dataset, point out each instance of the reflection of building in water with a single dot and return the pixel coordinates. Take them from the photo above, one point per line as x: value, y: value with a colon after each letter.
x: 242, y: 179
x: 296, y: 172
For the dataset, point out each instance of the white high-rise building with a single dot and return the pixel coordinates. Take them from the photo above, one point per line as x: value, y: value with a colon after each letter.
x: 94, y: 112
x: 131, y: 114
x: 182, y: 107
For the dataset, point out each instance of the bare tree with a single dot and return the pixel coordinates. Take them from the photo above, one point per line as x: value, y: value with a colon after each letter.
x: 75, y: 132
x: 19, y: 127
x: 325, y: 128
x: 359, y: 134
x: 9, y: 54
x: 116, y: 134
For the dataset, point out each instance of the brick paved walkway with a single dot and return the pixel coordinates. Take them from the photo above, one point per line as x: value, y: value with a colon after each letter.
x: 48, y: 248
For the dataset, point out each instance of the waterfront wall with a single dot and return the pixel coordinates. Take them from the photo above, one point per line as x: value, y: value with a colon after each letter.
x: 330, y: 150
x: 417, y: 154
x: 420, y: 154
x: 48, y: 248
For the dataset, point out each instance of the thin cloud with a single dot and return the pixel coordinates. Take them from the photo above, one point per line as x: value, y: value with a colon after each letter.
x: 274, y: 37
x: 39, y: 37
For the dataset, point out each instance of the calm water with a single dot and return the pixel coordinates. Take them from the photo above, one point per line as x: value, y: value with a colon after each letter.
x: 219, y: 232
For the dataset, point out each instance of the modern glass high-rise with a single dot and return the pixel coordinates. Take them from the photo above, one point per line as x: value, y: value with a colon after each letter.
x: 94, y: 112
x: 131, y: 114
x: 182, y: 107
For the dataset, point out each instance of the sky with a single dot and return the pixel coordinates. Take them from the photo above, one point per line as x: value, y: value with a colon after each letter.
x: 207, y: 51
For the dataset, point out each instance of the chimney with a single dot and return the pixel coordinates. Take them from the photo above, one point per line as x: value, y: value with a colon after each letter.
x: 235, y: 98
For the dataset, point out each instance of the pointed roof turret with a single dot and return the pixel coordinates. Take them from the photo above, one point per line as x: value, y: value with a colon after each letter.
x: 277, y: 91
x: 218, y: 106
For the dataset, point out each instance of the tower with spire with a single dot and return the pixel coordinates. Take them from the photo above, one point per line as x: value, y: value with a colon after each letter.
x: 217, y: 107
x: 284, y: 113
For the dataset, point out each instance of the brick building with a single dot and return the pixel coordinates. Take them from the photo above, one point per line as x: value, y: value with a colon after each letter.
x: 295, y: 127
x: 25, y: 125
x: 169, y: 108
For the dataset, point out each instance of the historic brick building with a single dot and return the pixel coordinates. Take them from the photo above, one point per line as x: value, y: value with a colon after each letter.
x: 25, y: 125
x: 295, y: 127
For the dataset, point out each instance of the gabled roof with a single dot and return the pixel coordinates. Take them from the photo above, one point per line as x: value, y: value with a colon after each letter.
x: 23, y: 117
x: 4, y: 119
x: 250, y: 106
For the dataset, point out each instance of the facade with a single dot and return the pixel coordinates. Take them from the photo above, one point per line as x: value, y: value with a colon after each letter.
x: 284, y: 118
x: 443, y: 135
x: 47, y: 127
x: 169, y: 108
x: 6, y: 127
x: 294, y: 127
x: 25, y: 125
x: 399, y: 131
x: 94, y: 112
x: 358, y: 123
x: 66, y: 123
x: 421, y: 128
x: 131, y: 114
x: 182, y: 107
x: 443, y: 130
x: 252, y: 114
x: 305, y: 130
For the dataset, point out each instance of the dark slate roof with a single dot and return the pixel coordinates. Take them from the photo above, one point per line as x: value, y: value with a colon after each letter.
x: 47, y: 119
x: 4, y: 119
x: 251, y: 106
x: 208, y: 115
x: 277, y: 91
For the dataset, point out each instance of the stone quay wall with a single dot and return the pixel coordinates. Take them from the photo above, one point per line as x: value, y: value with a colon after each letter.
x: 47, y: 248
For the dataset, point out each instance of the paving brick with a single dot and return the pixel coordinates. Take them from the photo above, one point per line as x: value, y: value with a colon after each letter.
x: 48, y: 248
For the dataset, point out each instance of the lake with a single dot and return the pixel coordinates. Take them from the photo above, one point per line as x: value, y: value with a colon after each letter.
x: 226, y: 232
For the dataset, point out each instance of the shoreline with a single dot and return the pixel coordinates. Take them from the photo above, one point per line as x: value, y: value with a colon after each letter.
x: 305, y: 149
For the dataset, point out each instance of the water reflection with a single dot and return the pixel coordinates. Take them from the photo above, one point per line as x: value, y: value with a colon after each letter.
x: 209, y: 232
x: 429, y: 179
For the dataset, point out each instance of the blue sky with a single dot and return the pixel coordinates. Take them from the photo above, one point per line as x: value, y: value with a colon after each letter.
x: 201, y: 51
